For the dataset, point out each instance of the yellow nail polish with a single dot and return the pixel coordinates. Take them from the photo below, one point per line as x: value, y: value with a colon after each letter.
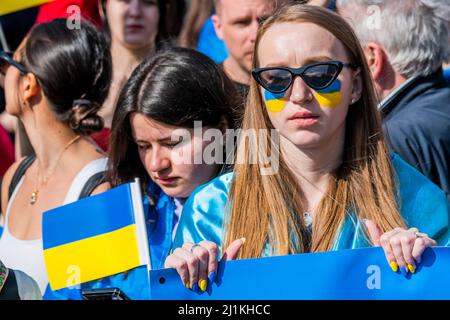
x: 203, y: 285
x: 187, y: 285
x: 394, y: 266
x: 411, y: 268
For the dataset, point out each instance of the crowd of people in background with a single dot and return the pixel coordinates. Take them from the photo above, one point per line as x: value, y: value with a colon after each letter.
x: 356, y: 103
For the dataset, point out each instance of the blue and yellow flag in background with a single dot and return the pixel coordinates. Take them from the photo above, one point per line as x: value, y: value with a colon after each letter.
x: 95, y: 237
x: 10, y: 6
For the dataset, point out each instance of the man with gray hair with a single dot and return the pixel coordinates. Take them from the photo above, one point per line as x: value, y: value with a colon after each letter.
x: 406, y: 43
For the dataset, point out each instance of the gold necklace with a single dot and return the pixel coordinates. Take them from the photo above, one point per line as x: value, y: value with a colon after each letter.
x: 35, y: 194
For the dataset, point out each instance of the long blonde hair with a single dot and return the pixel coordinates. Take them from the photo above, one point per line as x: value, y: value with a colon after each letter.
x: 269, y: 207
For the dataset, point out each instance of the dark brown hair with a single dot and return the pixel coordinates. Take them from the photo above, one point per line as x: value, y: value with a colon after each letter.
x: 73, y: 67
x: 176, y: 86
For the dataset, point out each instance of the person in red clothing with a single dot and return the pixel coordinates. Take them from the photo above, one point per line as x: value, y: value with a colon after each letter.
x: 6, y: 152
x: 59, y: 9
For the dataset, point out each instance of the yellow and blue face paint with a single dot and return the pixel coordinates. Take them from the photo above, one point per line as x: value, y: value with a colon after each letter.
x: 275, y: 102
x: 330, y: 96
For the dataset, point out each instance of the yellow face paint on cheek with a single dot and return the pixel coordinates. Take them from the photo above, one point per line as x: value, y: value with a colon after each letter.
x: 275, y: 102
x: 330, y: 96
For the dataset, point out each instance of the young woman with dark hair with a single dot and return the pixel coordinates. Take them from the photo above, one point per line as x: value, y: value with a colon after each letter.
x: 55, y: 83
x: 177, y: 91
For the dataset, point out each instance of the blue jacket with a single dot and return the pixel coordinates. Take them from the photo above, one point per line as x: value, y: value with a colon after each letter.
x: 160, y: 223
x: 416, y: 122
x: 422, y: 205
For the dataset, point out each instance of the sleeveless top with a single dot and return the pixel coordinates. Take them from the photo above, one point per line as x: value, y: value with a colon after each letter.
x: 28, y: 255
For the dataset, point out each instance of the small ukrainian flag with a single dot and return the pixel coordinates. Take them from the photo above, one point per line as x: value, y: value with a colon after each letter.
x: 95, y: 237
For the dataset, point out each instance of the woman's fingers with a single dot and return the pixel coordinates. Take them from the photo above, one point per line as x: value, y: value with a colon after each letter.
x: 420, y: 244
x: 192, y: 262
x: 407, y: 240
x: 384, y: 242
x: 375, y: 232
x: 233, y: 249
x: 195, y: 263
x: 213, y: 250
x: 179, y: 264
x: 203, y: 258
x: 404, y: 248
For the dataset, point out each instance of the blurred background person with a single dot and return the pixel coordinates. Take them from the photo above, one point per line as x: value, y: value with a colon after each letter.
x: 135, y: 29
x: 54, y: 83
x: 198, y: 31
x: 406, y: 43
x: 236, y: 23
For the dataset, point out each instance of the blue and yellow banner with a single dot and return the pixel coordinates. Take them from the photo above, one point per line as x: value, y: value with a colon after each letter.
x: 360, y: 274
x: 10, y: 6
x: 95, y: 237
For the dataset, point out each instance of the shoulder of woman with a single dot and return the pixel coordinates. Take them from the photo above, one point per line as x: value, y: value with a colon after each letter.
x: 422, y: 204
x: 221, y: 183
x: 212, y: 191
x: 204, y: 213
x: 412, y: 182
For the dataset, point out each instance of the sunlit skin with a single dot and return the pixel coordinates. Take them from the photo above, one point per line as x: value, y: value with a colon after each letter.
x: 237, y: 23
x: 133, y: 23
x: 316, y: 124
x: 26, y: 101
x: 162, y: 157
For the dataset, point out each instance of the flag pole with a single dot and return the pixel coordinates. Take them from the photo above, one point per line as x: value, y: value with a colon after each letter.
x: 3, y: 39
x: 144, y: 250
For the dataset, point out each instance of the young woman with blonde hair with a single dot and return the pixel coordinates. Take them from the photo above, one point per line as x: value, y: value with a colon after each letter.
x: 336, y: 187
